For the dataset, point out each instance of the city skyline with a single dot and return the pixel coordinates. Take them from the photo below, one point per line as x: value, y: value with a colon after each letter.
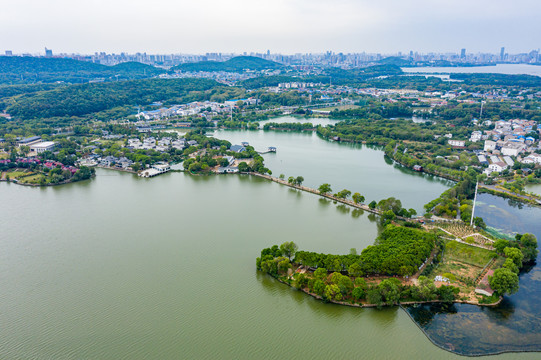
x: 288, y: 27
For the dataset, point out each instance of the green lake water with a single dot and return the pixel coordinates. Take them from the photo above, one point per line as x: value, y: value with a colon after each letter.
x: 120, y: 267
x: 534, y: 188
x: 354, y: 167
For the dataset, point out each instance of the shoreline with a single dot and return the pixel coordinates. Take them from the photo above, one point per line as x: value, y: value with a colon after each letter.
x: 318, y: 297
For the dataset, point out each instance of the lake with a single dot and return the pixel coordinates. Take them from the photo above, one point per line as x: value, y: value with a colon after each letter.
x: 324, y: 121
x: 534, y: 188
x: 354, y: 167
x: 125, y: 267
x: 510, y: 69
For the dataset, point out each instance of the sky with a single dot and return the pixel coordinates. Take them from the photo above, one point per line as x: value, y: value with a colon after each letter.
x: 281, y: 26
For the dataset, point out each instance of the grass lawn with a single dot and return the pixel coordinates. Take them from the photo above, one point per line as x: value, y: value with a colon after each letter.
x: 16, y: 174
x: 468, y: 254
x: 32, y: 179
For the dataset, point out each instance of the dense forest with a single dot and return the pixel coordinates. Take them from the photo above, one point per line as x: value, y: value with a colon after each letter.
x: 397, y: 251
x: 236, y: 64
x: 499, y: 79
x: 80, y: 100
x: 29, y: 70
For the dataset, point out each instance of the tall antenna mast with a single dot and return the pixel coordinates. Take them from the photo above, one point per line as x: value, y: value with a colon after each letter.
x: 481, y: 113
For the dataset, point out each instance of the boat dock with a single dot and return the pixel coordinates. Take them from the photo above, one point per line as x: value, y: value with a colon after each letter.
x: 155, y: 170
x: 270, y: 149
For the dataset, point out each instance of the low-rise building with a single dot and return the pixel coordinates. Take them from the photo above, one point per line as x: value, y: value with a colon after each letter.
x: 29, y: 141
x: 457, y: 143
x: 489, y: 146
x: 42, y: 147
x: 532, y: 159
x: 497, y: 167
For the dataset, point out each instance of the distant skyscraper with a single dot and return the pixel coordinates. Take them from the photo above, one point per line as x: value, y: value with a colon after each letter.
x: 9, y: 53
x: 462, y: 53
x: 48, y: 53
x: 502, y: 53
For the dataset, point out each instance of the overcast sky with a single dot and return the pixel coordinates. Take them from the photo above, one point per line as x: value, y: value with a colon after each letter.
x: 286, y: 26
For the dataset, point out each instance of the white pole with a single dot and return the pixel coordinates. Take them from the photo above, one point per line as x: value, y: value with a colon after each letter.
x: 474, y: 200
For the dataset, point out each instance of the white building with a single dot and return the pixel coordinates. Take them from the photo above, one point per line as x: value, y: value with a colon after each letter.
x: 489, y: 146
x: 42, y: 146
x: 476, y: 136
x: 497, y: 167
x: 532, y: 159
x: 508, y: 160
x: 512, y: 149
x: 457, y: 143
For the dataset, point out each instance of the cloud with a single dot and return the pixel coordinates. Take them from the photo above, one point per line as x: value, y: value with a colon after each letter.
x: 166, y: 26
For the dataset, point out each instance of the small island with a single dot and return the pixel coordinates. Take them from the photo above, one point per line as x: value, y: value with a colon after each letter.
x: 408, y: 264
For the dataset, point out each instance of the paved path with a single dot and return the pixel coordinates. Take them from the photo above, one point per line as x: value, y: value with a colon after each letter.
x: 505, y: 191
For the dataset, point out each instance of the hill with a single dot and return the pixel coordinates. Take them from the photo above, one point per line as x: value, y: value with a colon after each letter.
x: 236, y: 64
x: 29, y: 70
x: 85, y: 99
x: 395, y: 60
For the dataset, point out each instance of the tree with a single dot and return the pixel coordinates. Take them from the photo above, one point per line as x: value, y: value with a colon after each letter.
x: 291, y: 180
x: 25, y: 150
x: 427, y: 289
x: 325, y: 189
x: 373, y: 296
x: 355, y: 269
x: 514, y: 254
x: 500, y: 245
x: 345, y: 284
x: 289, y: 248
x: 299, y: 180
x: 529, y: 247
x: 509, y: 264
x: 479, y: 222
x: 223, y: 162
x: 320, y: 273
x: 344, y: 194
x: 243, y: 167
x: 281, y: 177
x: 284, y: 264
x: 388, y: 216
x: 357, y: 198
x: 372, y: 204
x: 332, y: 292
x: 319, y: 287
x: 301, y: 281
x: 504, y: 281
x: 390, y: 290
x: 390, y: 204
x: 136, y: 166
x: 448, y: 293
x: 358, y: 293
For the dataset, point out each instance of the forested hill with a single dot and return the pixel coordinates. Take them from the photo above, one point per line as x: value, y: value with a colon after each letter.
x: 236, y: 64
x: 84, y: 99
x: 29, y: 70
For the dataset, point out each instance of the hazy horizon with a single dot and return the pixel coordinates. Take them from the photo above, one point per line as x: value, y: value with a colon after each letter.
x: 281, y: 26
